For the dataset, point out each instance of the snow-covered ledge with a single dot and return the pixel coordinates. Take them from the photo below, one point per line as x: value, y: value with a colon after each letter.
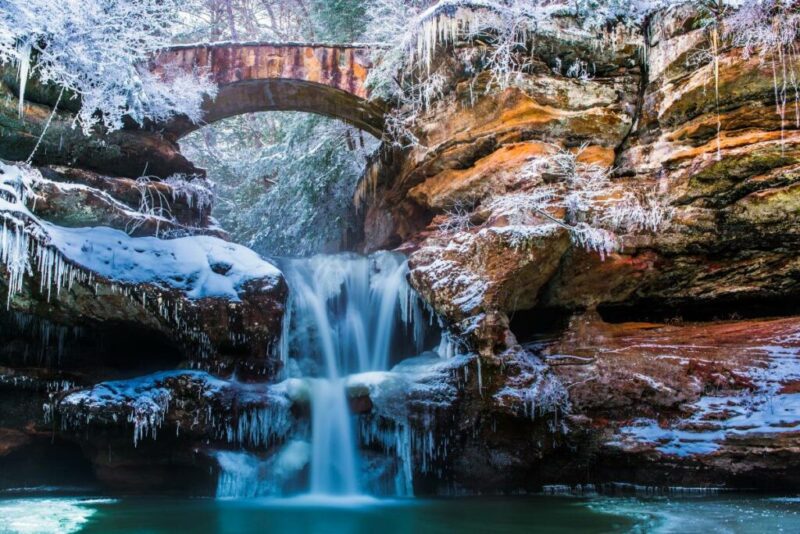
x: 199, y: 266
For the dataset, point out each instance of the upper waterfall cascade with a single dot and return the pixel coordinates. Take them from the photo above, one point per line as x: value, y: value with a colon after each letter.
x: 347, y: 315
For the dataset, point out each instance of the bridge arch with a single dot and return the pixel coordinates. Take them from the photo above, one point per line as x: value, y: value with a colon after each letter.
x: 328, y: 80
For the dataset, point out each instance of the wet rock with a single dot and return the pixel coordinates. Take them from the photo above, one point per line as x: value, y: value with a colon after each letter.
x: 723, y: 163
x: 11, y: 440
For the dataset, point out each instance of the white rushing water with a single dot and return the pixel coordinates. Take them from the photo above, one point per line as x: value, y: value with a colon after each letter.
x: 345, y: 311
x: 346, y: 315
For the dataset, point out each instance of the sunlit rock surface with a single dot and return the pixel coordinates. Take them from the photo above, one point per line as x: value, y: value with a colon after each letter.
x: 731, y: 231
x: 654, y: 404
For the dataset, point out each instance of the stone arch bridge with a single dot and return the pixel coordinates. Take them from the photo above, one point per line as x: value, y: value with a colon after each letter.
x: 325, y: 79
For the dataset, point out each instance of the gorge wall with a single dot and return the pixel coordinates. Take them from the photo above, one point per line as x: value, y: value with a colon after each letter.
x: 653, y: 396
x: 667, y: 358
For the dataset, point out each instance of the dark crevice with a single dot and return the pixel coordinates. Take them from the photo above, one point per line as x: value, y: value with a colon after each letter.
x: 44, y: 463
x: 539, y: 324
x: 105, y: 351
x: 677, y: 311
x: 644, y: 81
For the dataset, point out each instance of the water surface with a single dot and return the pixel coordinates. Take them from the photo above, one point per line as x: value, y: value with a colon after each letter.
x: 734, y: 514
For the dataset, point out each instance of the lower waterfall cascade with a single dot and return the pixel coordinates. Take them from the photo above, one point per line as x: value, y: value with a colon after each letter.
x: 348, y: 316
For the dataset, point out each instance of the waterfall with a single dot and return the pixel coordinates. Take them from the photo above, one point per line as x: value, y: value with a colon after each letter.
x: 333, y: 452
x: 347, y: 314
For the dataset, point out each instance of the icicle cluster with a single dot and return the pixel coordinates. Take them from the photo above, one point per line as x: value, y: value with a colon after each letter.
x: 447, y: 22
x: 24, y: 247
x: 261, y: 427
x: 417, y: 446
x: 147, y: 414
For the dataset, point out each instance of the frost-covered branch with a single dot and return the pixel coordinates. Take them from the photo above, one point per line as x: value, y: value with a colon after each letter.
x: 581, y: 198
x: 196, y: 191
x: 152, y: 203
x: 458, y: 218
x: 98, y: 50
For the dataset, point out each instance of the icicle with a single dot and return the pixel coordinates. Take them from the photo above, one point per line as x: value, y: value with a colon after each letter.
x: 480, y: 376
x: 260, y: 427
x: 24, y: 67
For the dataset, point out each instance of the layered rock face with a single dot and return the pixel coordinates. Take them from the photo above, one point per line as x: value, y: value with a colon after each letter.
x: 700, y: 199
x: 110, y: 278
x: 607, y: 243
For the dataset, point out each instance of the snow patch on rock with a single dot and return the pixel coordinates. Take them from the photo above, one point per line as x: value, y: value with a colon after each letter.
x: 767, y: 409
x: 200, y: 266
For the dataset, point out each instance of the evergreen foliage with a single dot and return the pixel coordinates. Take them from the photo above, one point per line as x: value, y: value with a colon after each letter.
x: 285, y: 181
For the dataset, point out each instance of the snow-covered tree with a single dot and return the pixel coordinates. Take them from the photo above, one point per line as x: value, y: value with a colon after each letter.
x: 338, y: 20
x: 296, y: 171
x: 296, y: 174
x: 241, y: 20
x: 97, y: 51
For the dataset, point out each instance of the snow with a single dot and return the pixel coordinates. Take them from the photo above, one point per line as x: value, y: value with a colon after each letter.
x: 518, y: 236
x: 449, y: 6
x: 468, y: 289
x: 199, y: 266
x: 415, y: 35
x: 718, y: 418
x: 594, y: 207
x: 187, y: 263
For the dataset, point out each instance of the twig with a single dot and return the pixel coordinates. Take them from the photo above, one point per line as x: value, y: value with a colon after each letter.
x: 46, y: 126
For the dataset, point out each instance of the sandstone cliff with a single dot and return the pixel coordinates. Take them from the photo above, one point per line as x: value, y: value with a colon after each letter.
x: 610, y: 243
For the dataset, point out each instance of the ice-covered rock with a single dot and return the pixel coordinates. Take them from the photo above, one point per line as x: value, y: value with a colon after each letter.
x: 213, y: 296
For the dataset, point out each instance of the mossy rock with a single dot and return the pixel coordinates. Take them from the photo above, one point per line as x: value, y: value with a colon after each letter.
x: 734, y: 176
x: 779, y: 206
